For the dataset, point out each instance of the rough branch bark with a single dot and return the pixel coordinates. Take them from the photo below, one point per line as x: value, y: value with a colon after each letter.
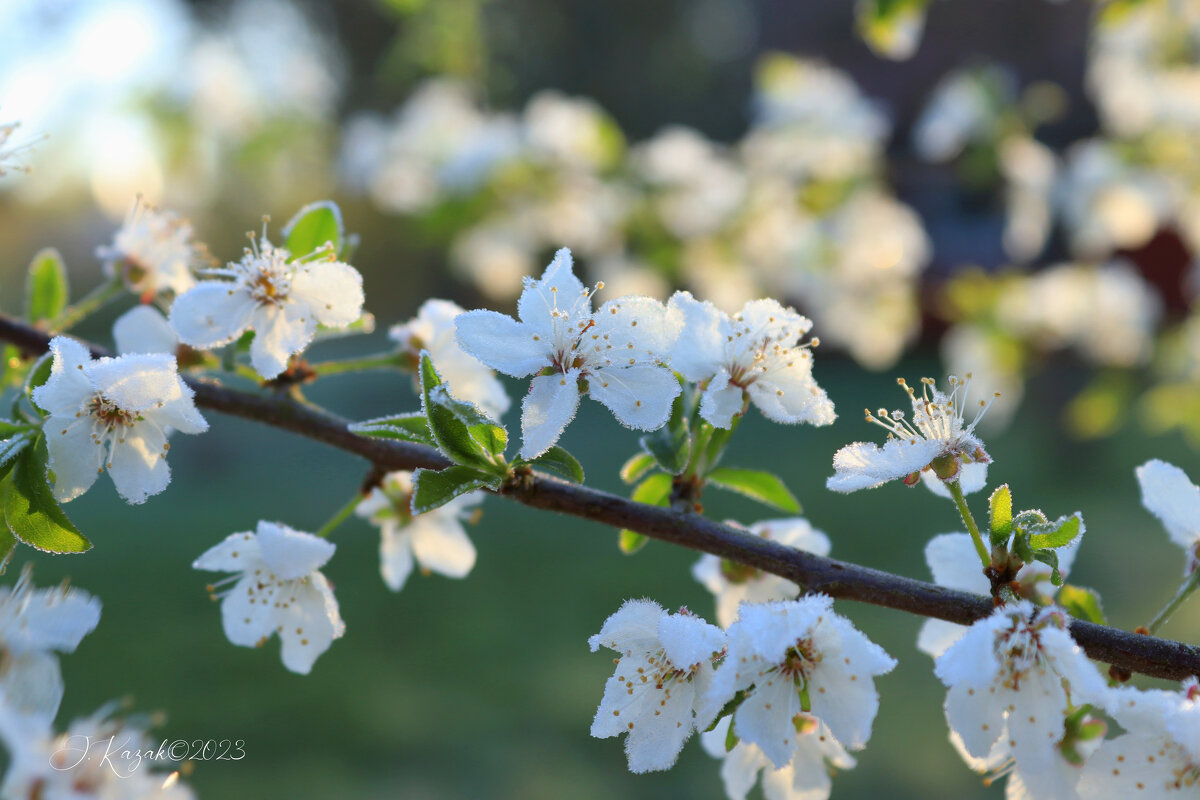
x: 1150, y: 655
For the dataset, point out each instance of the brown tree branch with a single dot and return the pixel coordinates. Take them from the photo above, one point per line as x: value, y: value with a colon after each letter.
x: 1150, y: 655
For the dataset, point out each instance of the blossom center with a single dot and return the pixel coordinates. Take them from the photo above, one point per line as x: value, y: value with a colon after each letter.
x: 109, y: 414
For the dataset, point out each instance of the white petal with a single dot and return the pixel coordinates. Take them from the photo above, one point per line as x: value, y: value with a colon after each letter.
x: 247, y: 612
x: 137, y: 382
x: 631, y: 628
x: 765, y: 718
x: 842, y: 691
x: 721, y: 400
x: 332, y: 291
x: 310, y: 622
x: 76, y: 459
x: 955, y: 564
x: 280, y: 332
x: 767, y: 317
x: 290, y: 553
x: 936, y: 636
x: 143, y: 329
x: 972, y: 659
x: 31, y: 684
x: 789, y: 395
x: 178, y: 412
x: 234, y: 553
x: 441, y: 545
x: 637, y: 327
x: 138, y: 462
x: 557, y: 290
x: 657, y: 722
x: 1035, y: 723
x: 740, y: 770
x: 546, y: 411
x: 68, y: 387
x: 395, y: 555
x: 55, y: 619
x: 212, y: 313
x: 689, y: 640
x: 1084, y: 681
x: 699, y: 349
x: 863, y: 465
x: 639, y: 397
x: 502, y: 343
x: 971, y: 478
x: 1168, y: 494
x: 1133, y: 766
x: 794, y: 532
x: 977, y: 716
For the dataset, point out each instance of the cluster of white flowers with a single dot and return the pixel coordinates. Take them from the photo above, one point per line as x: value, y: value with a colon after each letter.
x: 802, y: 677
x: 9, y: 153
x: 623, y: 355
x: 152, y: 252
x: 797, y: 208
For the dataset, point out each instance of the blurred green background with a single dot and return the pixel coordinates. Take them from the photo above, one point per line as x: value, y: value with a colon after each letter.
x: 485, y: 687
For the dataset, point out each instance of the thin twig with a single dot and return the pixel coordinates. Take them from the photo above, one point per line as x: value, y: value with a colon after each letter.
x: 1149, y: 655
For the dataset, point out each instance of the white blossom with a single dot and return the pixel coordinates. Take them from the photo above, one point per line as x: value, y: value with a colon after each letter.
x: 1159, y: 753
x: 793, y: 659
x: 33, y: 624
x: 1170, y: 495
x: 664, y: 667
x: 1013, y: 678
x: 278, y: 588
x: 937, y: 432
x: 152, y: 252
x: 8, y: 154
x: 806, y: 777
x: 435, y: 539
x: 955, y: 564
x: 96, y: 758
x: 114, y: 414
x: 734, y: 584
x: 754, y: 356
x: 281, y: 298
x: 143, y: 329
x: 614, y: 352
x: 433, y: 330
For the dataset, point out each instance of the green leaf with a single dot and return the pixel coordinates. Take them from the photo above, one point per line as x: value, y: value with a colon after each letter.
x: 312, y: 227
x: 1059, y: 533
x: 435, y: 488
x: 1081, y: 603
x: 730, y: 706
x: 38, y: 375
x: 406, y: 427
x: 671, y: 445
x: 764, y: 487
x: 483, y: 429
x: 1050, y: 558
x: 559, y: 462
x: 462, y: 445
x: 32, y: 513
x: 885, y: 25
x: 636, y: 467
x: 731, y: 738
x: 1000, y: 515
x: 46, y: 291
x: 654, y: 490
x: 8, y: 542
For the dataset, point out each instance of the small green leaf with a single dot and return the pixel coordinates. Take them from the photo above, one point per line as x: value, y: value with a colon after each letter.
x: 434, y: 488
x: 559, y: 462
x: 450, y: 433
x: 1081, y: 603
x: 32, y: 513
x: 8, y: 542
x: 671, y: 445
x: 38, y: 375
x: 46, y: 291
x: 731, y: 739
x: 1059, y: 533
x: 654, y: 490
x: 406, y: 427
x: 312, y: 227
x: 1000, y: 515
x: 886, y: 25
x: 1049, y: 558
x: 636, y: 467
x: 757, y: 485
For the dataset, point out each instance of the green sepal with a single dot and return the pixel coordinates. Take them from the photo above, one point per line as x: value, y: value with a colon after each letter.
x: 30, y: 510
x: 1000, y: 516
x: 434, y: 488
x: 726, y: 710
x: 636, y: 467
x: 46, y: 290
x: 765, y: 487
x: 1059, y: 533
x: 671, y: 445
x: 557, y: 461
x: 412, y: 427
x: 1081, y: 603
x: 731, y: 738
x: 313, y: 226
x: 654, y: 490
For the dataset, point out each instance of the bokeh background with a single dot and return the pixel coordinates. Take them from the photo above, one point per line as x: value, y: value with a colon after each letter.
x: 1016, y: 196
